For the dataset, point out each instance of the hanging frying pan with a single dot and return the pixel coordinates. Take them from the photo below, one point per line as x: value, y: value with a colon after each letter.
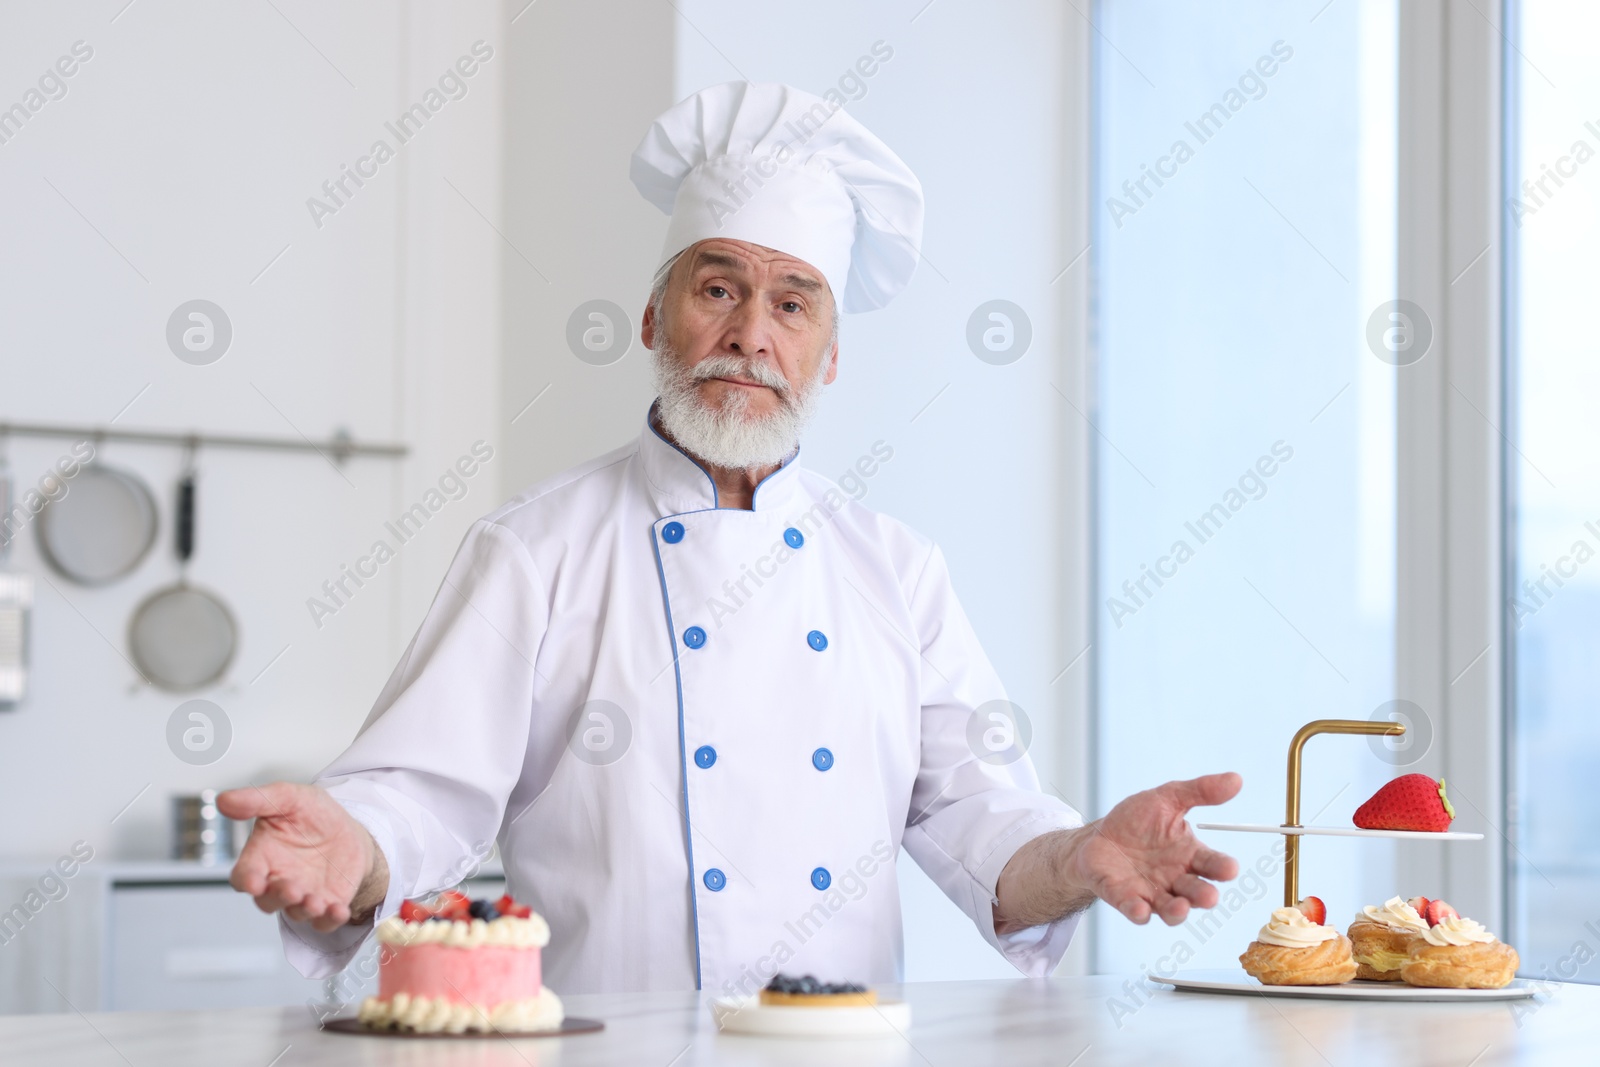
x: 100, y: 528
x: 183, y: 637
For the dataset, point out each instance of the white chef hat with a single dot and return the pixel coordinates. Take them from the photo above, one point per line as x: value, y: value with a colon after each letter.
x: 769, y: 164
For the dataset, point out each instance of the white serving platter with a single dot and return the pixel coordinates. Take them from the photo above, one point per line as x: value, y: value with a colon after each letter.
x: 747, y: 1015
x: 1339, y: 831
x: 1235, y: 981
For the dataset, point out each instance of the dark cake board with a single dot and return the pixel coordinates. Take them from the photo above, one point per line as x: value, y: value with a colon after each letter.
x: 569, y: 1025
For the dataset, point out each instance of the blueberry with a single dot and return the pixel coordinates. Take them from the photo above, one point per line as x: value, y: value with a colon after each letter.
x: 809, y: 985
x: 479, y: 909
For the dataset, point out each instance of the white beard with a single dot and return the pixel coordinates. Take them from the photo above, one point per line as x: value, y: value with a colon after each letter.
x: 729, y: 434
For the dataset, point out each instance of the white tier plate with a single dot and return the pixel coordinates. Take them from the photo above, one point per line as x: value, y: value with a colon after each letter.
x: 1338, y: 831
x: 747, y: 1015
x: 1234, y: 980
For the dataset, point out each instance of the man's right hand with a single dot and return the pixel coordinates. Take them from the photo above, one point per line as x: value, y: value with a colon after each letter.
x: 306, y: 856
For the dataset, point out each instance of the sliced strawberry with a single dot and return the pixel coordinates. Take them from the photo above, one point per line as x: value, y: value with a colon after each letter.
x: 412, y: 912
x: 1410, y: 802
x: 1314, y: 910
x: 1419, y: 905
x: 452, y: 905
x: 1438, y: 911
x: 507, y: 906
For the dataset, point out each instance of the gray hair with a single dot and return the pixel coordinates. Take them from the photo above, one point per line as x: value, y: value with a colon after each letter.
x: 658, y: 296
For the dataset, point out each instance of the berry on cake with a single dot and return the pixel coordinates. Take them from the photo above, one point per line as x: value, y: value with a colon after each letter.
x: 807, y: 992
x: 461, y: 965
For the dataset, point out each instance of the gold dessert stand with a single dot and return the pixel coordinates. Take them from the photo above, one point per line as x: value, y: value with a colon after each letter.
x: 1291, y: 829
x: 1235, y: 982
x: 1291, y: 855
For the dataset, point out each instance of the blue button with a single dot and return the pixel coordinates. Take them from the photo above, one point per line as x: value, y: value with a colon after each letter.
x: 715, y: 879
x: 672, y: 533
x: 821, y: 878
x: 794, y: 537
x: 817, y: 640
x: 822, y: 759
x: 694, y: 637
x: 705, y: 756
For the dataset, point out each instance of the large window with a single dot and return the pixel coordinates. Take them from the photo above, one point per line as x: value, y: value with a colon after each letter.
x: 1246, y: 206
x: 1553, y: 473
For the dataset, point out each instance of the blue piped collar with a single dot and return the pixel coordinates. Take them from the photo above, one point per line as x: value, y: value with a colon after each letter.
x: 681, y: 484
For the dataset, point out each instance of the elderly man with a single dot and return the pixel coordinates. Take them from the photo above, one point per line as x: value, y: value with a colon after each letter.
x: 699, y: 697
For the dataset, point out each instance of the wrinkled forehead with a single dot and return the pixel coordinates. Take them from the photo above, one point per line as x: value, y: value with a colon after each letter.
x: 753, y: 264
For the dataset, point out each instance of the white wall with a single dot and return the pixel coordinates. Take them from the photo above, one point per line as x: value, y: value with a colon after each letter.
x: 586, y: 81
x: 187, y: 147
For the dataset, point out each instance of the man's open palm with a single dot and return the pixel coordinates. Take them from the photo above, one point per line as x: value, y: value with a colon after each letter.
x: 1143, y: 859
x: 306, y: 856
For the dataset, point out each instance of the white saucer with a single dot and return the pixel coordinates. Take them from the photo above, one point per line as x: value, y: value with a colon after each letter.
x: 747, y: 1015
x: 1234, y: 980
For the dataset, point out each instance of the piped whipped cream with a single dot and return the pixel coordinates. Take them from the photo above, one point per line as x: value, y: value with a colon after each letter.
x: 1289, y: 928
x: 1396, y: 914
x: 1458, y: 931
x: 508, y: 931
x: 426, y: 1015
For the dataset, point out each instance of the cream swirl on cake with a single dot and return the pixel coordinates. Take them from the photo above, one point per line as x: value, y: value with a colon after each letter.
x: 435, y: 1015
x: 1288, y: 928
x: 507, y: 931
x: 1396, y: 914
x: 1458, y: 931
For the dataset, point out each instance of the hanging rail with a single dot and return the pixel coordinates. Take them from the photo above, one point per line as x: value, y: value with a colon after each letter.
x: 339, y: 447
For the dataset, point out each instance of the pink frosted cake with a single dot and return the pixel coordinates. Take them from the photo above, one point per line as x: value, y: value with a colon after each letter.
x: 462, y: 965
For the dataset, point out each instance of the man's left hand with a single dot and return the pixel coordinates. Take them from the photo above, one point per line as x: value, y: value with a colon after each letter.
x: 1141, y: 858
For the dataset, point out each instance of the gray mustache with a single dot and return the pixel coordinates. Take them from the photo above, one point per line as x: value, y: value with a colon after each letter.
x: 733, y: 366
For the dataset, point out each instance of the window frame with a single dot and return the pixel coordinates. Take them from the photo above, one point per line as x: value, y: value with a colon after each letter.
x: 1452, y: 652
x: 1450, y: 634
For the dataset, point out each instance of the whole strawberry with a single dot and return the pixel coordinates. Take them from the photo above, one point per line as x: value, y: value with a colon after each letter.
x: 1410, y: 802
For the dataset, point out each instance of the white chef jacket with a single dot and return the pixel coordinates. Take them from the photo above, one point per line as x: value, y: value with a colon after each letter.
x: 700, y: 735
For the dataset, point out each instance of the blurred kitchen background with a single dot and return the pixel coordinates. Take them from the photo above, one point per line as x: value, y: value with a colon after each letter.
x: 1155, y: 345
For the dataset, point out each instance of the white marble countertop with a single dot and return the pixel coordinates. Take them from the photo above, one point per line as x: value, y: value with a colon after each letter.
x: 1063, y: 1021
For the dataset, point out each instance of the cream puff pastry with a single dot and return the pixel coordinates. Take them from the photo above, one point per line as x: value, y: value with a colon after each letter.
x: 1460, y: 954
x: 1381, y: 939
x: 1293, y: 950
